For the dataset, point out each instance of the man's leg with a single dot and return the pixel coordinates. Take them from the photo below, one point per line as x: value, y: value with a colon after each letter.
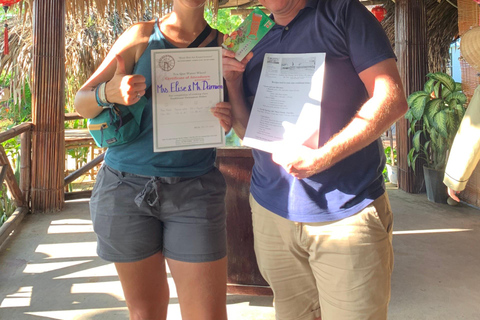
x: 352, y: 260
x: 284, y: 265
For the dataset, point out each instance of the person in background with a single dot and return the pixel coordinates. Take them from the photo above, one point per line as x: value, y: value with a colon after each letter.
x: 465, y: 151
x: 150, y: 207
x: 322, y: 220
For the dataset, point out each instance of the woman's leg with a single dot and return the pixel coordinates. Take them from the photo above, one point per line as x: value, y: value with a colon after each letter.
x: 201, y: 288
x: 145, y: 287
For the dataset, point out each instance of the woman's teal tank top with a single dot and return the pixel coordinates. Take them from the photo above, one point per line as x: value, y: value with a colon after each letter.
x: 137, y: 157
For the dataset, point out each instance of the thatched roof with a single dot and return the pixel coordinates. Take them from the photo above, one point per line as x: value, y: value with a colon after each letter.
x: 442, y: 30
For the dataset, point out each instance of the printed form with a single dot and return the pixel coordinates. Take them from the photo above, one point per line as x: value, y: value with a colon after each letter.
x: 287, y: 105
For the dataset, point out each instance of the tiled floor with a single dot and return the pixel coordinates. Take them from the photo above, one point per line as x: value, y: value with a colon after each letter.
x: 49, y: 269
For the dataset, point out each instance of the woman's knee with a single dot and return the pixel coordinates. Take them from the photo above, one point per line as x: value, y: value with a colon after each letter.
x: 152, y: 310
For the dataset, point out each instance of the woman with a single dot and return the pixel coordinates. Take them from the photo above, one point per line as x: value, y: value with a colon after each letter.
x: 150, y: 207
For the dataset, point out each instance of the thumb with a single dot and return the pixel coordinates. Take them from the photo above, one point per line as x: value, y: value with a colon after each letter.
x: 120, y: 65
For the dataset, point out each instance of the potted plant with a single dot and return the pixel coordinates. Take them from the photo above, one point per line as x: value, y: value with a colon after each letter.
x: 391, y: 170
x: 434, y: 114
x: 391, y: 164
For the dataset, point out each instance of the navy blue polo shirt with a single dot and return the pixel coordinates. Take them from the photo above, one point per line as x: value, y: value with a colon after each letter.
x: 353, y: 41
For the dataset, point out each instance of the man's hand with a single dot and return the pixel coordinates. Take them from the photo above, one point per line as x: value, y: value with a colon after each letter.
x: 232, y: 68
x: 223, y: 111
x: 125, y: 89
x: 453, y: 194
x: 299, y: 161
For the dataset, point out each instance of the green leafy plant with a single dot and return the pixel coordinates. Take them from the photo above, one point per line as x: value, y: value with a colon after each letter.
x: 435, y: 114
x: 7, y: 206
x: 388, y: 155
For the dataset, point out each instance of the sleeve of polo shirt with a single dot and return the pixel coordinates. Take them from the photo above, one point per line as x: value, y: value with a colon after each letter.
x: 367, y: 42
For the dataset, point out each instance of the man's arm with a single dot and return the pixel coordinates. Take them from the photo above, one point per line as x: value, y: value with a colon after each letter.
x: 233, y: 75
x: 386, y: 105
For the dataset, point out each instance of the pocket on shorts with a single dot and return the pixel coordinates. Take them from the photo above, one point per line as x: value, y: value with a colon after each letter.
x: 382, y: 212
x: 107, y: 181
x: 213, y: 180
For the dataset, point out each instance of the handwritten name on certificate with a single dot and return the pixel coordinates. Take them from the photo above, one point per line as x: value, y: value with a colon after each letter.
x: 286, y: 109
x: 186, y: 83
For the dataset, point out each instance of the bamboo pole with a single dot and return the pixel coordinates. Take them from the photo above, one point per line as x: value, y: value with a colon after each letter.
x: 25, y: 165
x: 411, y: 51
x: 15, y: 131
x: 12, y: 222
x: 48, y: 106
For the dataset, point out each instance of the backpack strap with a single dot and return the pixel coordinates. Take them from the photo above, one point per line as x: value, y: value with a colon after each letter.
x: 201, y: 37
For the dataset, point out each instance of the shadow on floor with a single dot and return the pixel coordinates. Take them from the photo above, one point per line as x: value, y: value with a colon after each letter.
x: 49, y: 268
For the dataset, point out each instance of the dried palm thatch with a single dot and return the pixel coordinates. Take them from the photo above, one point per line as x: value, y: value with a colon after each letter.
x: 442, y: 23
x: 91, y: 28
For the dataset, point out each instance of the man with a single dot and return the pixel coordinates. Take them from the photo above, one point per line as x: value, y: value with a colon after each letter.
x: 322, y: 220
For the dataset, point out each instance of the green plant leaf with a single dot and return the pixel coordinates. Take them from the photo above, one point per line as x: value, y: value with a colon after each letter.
x: 460, y: 112
x: 440, y: 123
x: 416, y: 140
x: 410, y: 157
x: 458, y: 86
x: 432, y: 108
x: 446, y: 94
x: 445, y: 79
x: 436, y: 89
x: 428, y: 87
x: 409, y: 115
x: 417, y: 101
x: 460, y: 97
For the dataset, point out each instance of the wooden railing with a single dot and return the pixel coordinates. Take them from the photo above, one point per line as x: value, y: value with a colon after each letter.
x: 20, y: 191
x: 82, y: 170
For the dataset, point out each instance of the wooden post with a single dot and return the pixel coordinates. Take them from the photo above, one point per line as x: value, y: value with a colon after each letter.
x: 25, y: 165
x: 48, y: 100
x: 412, y: 55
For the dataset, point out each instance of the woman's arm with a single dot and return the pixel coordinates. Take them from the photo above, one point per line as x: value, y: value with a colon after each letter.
x: 121, y: 87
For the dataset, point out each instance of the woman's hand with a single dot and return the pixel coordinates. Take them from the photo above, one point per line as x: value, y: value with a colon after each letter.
x: 453, y: 194
x: 223, y: 111
x: 123, y: 88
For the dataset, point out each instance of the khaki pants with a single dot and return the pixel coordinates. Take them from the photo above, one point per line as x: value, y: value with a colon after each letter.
x: 339, y: 269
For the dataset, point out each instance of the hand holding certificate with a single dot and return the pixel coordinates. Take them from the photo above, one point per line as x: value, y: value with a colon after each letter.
x: 286, y: 110
x: 186, y: 83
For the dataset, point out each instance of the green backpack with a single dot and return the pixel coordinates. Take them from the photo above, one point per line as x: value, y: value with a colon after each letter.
x: 117, y: 125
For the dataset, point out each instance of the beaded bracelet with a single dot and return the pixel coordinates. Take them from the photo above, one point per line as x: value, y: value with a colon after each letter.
x: 101, y: 96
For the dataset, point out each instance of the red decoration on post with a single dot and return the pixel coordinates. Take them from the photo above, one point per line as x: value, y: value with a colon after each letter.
x: 378, y: 11
x: 5, y: 4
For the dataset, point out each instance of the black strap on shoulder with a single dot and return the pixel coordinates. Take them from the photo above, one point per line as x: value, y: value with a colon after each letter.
x: 148, y: 92
x: 201, y: 37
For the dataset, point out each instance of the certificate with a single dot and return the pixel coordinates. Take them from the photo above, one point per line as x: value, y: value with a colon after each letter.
x: 287, y: 105
x: 186, y: 83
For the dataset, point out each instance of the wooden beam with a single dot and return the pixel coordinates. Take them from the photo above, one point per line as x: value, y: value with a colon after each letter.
x: 78, y: 195
x: 72, y: 116
x: 12, y: 222
x: 11, y: 180
x: 3, y: 172
x: 77, y: 173
x: 15, y: 131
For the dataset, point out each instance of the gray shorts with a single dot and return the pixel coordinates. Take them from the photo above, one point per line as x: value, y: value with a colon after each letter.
x: 136, y: 216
